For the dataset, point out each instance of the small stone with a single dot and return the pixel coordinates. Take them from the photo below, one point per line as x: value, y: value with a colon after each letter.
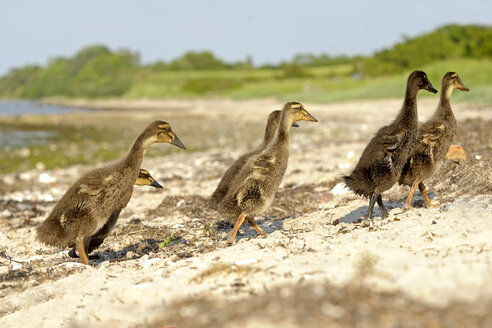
x: 46, y: 178
x: 456, y: 152
x: 131, y: 255
x: 142, y: 246
x: 40, y: 166
x: 324, y: 197
x: 340, y: 189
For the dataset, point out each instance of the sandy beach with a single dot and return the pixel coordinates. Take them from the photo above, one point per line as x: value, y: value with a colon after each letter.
x: 167, y: 264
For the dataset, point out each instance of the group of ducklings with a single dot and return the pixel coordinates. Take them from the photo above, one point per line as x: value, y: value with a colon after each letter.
x: 400, y: 152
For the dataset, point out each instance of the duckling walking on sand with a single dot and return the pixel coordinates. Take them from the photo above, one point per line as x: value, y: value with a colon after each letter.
x: 100, y: 195
x: 254, y: 188
x: 144, y: 179
x: 381, y: 163
x: 433, y: 142
x: 232, y: 172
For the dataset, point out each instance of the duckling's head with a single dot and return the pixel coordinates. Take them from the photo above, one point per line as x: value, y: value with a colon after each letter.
x: 298, y: 112
x: 421, y: 81
x: 145, y: 179
x: 451, y: 81
x: 159, y: 132
x: 274, y: 119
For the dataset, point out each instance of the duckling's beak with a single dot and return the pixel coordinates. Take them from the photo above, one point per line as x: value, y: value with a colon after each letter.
x: 308, y: 117
x: 178, y: 143
x: 463, y: 87
x: 431, y: 88
x: 295, y: 125
x: 156, y: 184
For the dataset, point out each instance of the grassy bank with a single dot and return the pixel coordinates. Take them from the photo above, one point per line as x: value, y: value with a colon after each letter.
x: 321, y: 85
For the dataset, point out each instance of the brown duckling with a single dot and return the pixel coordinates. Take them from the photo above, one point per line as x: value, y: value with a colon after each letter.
x: 232, y: 172
x: 382, y: 161
x: 100, y: 195
x: 144, y: 179
x: 254, y: 188
x: 433, y: 142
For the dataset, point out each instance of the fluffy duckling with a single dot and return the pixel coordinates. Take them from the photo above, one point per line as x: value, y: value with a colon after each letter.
x: 254, y: 188
x: 232, y: 172
x: 144, y: 179
x: 99, y: 196
x: 382, y: 161
x: 433, y: 142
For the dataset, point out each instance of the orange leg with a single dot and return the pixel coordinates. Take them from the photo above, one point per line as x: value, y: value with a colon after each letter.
x: 423, y: 191
x: 255, y: 226
x: 79, y: 245
x: 237, y: 225
x: 408, y: 202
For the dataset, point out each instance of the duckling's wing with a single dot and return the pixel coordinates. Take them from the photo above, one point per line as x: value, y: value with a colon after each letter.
x: 430, y: 133
x: 392, y: 140
x: 264, y: 163
x: 93, y: 185
x: 250, y: 191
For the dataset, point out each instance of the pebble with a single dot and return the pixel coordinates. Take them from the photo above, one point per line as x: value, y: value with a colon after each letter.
x: 340, y: 189
x: 148, y: 262
x: 246, y: 261
x: 131, y: 255
x: 46, y: 178
x: 456, y: 152
x: 324, y: 197
x: 16, y: 266
x: 25, y: 176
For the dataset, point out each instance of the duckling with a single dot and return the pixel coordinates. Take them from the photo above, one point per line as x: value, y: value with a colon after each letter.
x: 382, y: 160
x: 144, y: 179
x: 433, y: 142
x: 254, y: 188
x: 231, y: 173
x: 98, y: 196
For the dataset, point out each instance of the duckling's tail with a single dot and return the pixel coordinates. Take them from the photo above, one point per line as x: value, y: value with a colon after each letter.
x: 49, y: 233
x: 357, y: 185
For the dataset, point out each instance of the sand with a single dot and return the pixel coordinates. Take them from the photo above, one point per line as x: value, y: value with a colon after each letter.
x: 168, y: 249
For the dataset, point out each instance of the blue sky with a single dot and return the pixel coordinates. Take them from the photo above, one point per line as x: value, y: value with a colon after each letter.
x: 270, y: 31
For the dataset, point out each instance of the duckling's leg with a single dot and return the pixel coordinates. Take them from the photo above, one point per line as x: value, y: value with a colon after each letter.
x: 408, y: 201
x: 79, y: 245
x: 237, y: 225
x: 423, y: 191
x: 255, y: 226
x: 87, y: 242
x: 372, y: 201
x: 384, y: 212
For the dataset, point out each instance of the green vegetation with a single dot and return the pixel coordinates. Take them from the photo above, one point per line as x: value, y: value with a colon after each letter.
x: 168, y: 241
x: 97, y: 72
x: 447, y: 42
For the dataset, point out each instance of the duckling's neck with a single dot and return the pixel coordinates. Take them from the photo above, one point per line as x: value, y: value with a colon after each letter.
x: 444, y: 99
x: 136, y: 153
x: 282, y: 136
x: 269, y: 134
x: 409, y: 109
